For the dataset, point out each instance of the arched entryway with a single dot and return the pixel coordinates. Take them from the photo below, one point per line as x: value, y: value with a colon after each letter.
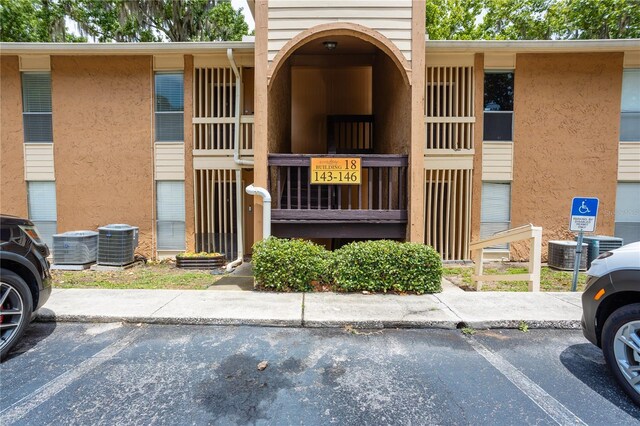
x: 339, y: 92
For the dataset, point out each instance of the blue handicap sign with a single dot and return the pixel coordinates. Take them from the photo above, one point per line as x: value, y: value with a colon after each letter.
x: 584, y: 211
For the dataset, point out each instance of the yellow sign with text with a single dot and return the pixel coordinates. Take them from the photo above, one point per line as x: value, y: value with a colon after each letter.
x: 335, y: 171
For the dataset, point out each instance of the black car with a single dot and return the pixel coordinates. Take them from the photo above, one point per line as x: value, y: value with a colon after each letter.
x: 611, y: 313
x: 25, y: 281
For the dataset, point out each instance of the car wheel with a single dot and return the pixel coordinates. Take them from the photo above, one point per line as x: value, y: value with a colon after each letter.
x: 621, y: 348
x: 16, y: 306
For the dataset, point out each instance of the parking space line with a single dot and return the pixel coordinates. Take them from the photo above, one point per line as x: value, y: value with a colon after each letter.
x: 22, y: 407
x: 554, y: 409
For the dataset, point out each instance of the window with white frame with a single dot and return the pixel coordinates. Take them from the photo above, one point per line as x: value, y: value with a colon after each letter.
x: 498, y: 106
x: 41, y: 198
x: 170, y: 215
x: 627, y: 224
x: 169, y: 106
x: 630, y: 107
x: 36, y: 107
x: 495, y: 214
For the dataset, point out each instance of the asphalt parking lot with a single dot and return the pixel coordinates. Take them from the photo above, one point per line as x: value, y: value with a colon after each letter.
x: 71, y: 373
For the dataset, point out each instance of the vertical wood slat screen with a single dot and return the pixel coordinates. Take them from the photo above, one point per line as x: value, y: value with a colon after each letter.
x: 215, y: 211
x: 449, y: 108
x: 213, y: 108
x: 448, y: 212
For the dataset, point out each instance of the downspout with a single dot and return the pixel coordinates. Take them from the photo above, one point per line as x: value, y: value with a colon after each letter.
x: 266, y: 210
x: 239, y: 162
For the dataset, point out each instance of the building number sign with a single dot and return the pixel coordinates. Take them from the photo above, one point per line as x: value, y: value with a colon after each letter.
x: 335, y: 171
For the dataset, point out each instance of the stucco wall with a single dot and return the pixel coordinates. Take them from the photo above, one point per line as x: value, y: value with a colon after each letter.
x: 102, y: 128
x: 13, y: 190
x: 567, y: 114
x: 279, y: 112
x: 391, y: 108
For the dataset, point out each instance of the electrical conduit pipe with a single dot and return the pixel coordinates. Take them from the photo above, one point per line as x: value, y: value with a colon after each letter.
x: 266, y: 209
x: 239, y: 162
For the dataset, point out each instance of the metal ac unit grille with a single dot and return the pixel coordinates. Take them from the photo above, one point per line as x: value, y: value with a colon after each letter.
x: 599, y: 244
x: 116, y: 244
x: 75, y: 248
x: 562, y: 255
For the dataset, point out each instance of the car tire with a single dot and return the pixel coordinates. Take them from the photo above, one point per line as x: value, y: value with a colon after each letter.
x: 621, y: 347
x: 16, y: 308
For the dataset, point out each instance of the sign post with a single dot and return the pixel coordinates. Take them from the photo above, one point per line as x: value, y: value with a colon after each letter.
x: 584, y: 212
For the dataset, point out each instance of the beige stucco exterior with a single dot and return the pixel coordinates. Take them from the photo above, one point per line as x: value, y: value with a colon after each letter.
x: 13, y: 188
x: 103, y: 144
x: 566, y: 124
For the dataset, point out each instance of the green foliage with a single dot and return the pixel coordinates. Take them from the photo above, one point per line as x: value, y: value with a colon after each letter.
x: 158, y: 20
x: 468, y: 331
x: 387, y: 266
x: 34, y: 21
x: 532, y: 19
x: 282, y: 264
x: 189, y: 255
x: 523, y: 327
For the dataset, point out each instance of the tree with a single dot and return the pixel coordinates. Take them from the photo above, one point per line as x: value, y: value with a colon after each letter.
x: 158, y: 20
x: 453, y: 19
x: 533, y: 19
x: 34, y: 20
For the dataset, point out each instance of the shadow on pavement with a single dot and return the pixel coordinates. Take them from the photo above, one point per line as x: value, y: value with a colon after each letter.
x: 30, y: 339
x: 586, y: 362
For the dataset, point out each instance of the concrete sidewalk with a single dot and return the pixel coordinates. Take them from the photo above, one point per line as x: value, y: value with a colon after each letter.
x: 450, y: 309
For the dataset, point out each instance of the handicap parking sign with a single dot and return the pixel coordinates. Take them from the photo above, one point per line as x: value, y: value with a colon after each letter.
x: 583, y: 214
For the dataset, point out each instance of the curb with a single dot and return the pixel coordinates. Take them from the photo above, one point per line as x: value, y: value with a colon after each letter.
x: 435, y: 324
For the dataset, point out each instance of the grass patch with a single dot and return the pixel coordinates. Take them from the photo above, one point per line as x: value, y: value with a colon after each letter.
x: 550, y: 279
x: 151, y: 276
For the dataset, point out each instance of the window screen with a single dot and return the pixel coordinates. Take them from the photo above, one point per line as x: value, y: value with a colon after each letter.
x: 495, y: 215
x: 170, y: 208
x: 36, y: 107
x: 41, y: 198
x: 630, y: 107
x: 498, y: 106
x: 627, y: 224
x: 169, y: 94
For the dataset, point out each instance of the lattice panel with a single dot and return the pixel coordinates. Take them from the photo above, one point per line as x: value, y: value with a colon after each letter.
x: 448, y: 212
x: 449, y: 107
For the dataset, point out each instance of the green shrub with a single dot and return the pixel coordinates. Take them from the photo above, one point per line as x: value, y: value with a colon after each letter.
x: 387, y: 266
x: 283, y: 264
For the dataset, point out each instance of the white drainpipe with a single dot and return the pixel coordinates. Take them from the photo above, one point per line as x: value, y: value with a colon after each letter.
x: 238, y: 161
x: 266, y: 209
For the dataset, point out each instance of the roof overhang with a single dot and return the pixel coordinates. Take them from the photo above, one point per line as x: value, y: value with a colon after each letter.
x: 122, y: 48
x: 532, y: 46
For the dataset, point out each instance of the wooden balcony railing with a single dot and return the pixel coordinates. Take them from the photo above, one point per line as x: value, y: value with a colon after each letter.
x: 380, y: 199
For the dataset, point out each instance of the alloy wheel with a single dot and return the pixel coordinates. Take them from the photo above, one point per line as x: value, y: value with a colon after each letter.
x: 11, y: 313
x: 626, y: 348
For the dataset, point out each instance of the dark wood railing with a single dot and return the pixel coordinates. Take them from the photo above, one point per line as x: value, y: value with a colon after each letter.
x: 380, y: 198
x: 350, y: 134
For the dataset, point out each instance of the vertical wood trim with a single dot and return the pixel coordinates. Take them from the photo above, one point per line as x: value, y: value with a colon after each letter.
x: 261, y: 110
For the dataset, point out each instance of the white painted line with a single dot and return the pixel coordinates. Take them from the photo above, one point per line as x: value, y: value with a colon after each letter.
x: 22, y: 407
x: 554, y: 409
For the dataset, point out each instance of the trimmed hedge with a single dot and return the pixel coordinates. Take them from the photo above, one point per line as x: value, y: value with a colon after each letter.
x: 387, y: 266
x: 282, y: 264
x: 376, y: 266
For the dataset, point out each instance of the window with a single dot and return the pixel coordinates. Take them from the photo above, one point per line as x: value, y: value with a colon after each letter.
x: 495, y: 214
x: 498, y: 106
x: 41, y: 197
x: 169, y: 107
x: 630, y: 116
x: 628, y: 212
x: 36, y: 107
x: 170, y: 206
